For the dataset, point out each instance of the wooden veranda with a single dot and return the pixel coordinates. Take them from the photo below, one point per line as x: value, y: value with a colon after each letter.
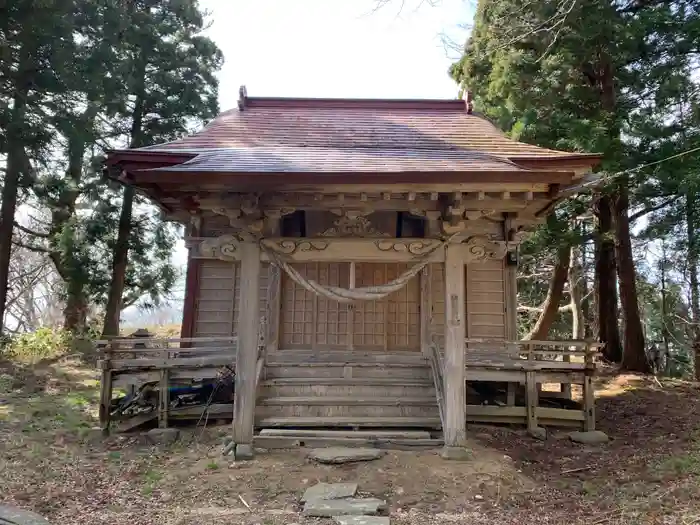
x: 519, y: 368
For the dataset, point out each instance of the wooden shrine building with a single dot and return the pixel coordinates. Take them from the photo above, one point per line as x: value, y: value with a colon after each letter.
x: 357, y: 258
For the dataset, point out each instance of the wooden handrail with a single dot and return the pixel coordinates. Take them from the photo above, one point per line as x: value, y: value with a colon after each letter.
x: 438, y: 379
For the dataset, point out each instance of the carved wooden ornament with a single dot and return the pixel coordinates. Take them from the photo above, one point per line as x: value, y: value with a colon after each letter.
x: 413, y: 247
x: 480, y: 248
x: 225, y: 248
x: 291, y: 246
x: 351, y: 225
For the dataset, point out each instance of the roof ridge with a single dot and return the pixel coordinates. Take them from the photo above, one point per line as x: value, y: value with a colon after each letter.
x: 353, y: 103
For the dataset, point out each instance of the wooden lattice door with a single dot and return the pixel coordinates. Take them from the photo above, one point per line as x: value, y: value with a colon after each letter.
x: 310, y: 321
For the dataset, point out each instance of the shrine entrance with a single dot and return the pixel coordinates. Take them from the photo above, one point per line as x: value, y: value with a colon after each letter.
x: 311, y: 321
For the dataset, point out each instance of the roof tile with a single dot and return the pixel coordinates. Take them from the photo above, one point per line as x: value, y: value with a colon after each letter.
x: 389, y: 126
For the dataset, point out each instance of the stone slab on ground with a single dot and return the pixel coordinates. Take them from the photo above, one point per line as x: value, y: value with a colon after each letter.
x: 244, y: 452
x: 15, y: 516
x: 328, y: 491
x: 361, y: 520
x: 343, y: 507
x: 338, y: 455
x: 538, y: 433
x: 456, y: 453
x: 163, y: 436
x: 592, y: 437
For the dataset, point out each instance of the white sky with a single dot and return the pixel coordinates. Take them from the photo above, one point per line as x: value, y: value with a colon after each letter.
x: 334, y: 48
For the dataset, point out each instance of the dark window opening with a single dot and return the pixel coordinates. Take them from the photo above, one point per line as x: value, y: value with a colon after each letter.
x: 294, y: 224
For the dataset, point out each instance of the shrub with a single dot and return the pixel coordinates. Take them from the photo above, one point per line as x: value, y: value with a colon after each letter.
x: 44, y: 343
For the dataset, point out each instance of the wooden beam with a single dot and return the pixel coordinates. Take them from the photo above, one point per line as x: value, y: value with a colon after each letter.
x: 455, y: 333
x: 247, y: 354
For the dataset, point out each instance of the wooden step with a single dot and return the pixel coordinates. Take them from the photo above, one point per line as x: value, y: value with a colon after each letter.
x: 344, y: 387
x: 278, y: 442
x: 330, y: 411
x: 350, y: 421
x: 353, y: 381
x: 351, y: 434
x: 347, y: 370
x: 349, y: 401
x: 345, y: 356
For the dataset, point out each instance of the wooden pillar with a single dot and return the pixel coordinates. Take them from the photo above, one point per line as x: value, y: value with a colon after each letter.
x: 247, y: 352
x: 455, y: 374
x: 189, y: 309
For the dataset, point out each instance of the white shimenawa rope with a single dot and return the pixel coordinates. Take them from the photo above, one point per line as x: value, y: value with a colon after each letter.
x: 349, y: 295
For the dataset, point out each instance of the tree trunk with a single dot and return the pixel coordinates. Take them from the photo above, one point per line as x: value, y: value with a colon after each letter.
x: 121, y: 249
x: 606, y: 282
x: 664, y: 311
x: 693, y: 255
x: 13, y: 173
x: 121, y: 260
x: 578, y: 330
x: 68, y: 264
x: 634, y: 356
x: 550, y: 307
x: 75, y: 311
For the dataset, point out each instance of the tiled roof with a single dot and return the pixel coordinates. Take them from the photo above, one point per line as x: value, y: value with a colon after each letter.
x: 307, y: 125
x: 336, y: 160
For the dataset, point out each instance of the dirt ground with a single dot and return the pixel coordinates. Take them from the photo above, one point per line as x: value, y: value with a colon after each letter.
x: 52, y: 461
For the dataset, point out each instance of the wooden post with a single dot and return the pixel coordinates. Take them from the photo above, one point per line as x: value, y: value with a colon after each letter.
x: 588, y: 391
x: 455, y: 374
x: 531, y: 400
x: 163, y: 399
x: 106, y: 390
x: 510, y: 394
x: 566, y: 387
x: 247, y: 352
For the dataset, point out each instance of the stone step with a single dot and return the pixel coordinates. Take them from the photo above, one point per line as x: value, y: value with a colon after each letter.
x: 350, y: 422
x: 362, y: 520
x: 343, y: 507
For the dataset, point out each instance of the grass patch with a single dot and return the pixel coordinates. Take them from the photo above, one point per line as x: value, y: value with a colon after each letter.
x: 686, y: 463
x: 212, y: 465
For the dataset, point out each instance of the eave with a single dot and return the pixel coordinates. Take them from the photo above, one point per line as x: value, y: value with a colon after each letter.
x: 264, y: 180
